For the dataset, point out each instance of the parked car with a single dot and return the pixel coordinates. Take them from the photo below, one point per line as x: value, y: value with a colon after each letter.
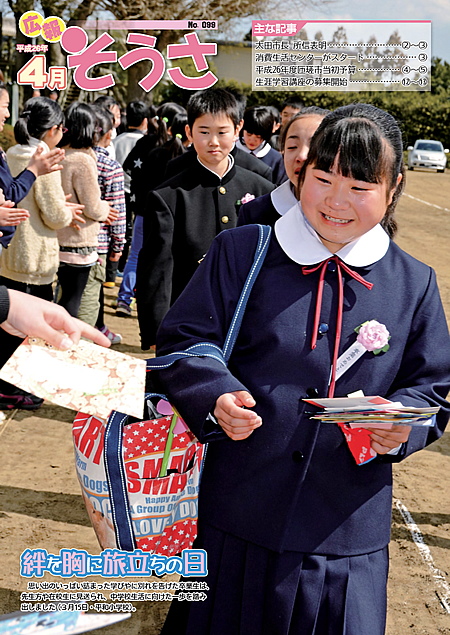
x: 427, y: 154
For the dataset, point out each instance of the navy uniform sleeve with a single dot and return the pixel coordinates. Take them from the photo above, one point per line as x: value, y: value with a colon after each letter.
x: 423, y: 379
x: 155, y: 268
x: 14, y: 189
x: 203, y: 313
x: 260, y: 210
x: 4, y: 304
x: 279, y: 172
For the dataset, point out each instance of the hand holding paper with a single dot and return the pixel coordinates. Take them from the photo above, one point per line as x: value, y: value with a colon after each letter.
x: 383, y: 441
x: 33, y: 316
x: 88, y: 378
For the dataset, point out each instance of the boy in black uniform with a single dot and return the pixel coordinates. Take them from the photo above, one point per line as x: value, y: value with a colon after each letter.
x: 184, y: 214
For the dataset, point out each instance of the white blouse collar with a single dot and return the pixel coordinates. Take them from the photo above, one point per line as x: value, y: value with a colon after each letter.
x: 260, y: 151
x: 283, y: 198
x: 301, y: 243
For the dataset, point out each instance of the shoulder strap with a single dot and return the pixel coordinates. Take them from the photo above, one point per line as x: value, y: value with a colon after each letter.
x: 260, y: 254
x: 114, y: 467
x: 205, y: 349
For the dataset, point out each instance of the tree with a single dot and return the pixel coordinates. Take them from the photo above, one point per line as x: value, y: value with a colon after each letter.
x: 440, y: 76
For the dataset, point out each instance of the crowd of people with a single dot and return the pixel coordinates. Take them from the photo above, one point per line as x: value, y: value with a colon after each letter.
x: 90, y: 198
x: 296, y: 532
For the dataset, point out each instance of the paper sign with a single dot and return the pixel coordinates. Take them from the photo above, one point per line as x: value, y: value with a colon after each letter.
x: 87, y: 377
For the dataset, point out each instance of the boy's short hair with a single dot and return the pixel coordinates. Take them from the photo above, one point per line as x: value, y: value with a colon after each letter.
x: 259, y: 120
x: 137, y: 111
x: 106, y: 101
x: 213, y: 101
x: 293, y: 103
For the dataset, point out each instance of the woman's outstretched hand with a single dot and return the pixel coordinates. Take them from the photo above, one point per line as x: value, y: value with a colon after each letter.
x: 232, y: 414
x: 29, y: 315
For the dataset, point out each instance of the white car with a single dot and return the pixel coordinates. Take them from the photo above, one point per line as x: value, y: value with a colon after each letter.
x: 427, y: 154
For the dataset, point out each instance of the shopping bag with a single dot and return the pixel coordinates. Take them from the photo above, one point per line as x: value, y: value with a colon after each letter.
x: 140, y: 479
x: 160, y: 503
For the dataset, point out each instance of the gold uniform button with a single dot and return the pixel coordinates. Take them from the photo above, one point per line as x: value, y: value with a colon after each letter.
x: 225, y: 219
x: 222, y: 190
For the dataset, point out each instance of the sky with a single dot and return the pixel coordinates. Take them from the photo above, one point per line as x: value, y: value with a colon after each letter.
x: 438, y: 11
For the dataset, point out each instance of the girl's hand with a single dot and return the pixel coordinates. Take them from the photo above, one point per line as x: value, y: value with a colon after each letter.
x: 43, y: 163
x: 115, y: 256
x: 77, y: 213
x: 9, y: 215
x: 112, y: 216
x: 385, y: 440
x: 231, y: 413
x: 2, y: 197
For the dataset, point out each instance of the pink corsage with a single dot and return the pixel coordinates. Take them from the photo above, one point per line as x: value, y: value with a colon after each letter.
x: 247, y: 198
x: 373, y: 336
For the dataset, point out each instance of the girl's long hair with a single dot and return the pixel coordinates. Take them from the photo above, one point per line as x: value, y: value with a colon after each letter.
x: 39, y: 115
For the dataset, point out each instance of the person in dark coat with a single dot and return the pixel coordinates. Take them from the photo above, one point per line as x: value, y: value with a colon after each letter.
x: 295, y: 529
x: 241, y: 159
x: 183, y: 216
x: 254, y: 138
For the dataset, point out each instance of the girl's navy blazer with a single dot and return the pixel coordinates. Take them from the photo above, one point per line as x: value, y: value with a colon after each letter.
x: 293, y: 484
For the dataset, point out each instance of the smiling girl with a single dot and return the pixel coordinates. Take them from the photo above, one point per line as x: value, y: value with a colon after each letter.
x: 296, y: 531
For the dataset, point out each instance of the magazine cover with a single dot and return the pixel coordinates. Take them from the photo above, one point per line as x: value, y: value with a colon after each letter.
x: 179, y: 123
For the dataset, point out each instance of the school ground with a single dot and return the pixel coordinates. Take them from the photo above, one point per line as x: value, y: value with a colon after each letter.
x: 41, y: 505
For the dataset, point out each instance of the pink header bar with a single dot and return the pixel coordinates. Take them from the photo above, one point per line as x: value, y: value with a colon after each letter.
x: 151, y: 25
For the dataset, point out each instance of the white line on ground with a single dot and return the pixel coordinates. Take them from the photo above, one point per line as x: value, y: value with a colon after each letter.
x: 444, y: 589
x: 444, y: 209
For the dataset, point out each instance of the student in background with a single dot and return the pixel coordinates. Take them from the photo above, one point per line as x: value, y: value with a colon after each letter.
x: 154, y: 168
x: 32, y: 259
x: 254, y: 138
x: 154, y: 139
x: 289, y: 108
x: 184, y: 214
x: 111, y: 236
x: 137, y: 126
x: 108, y: 102
x: 78, y: 248
x: 241, y: 158
x: 295, y: 139
x: 275, y: 138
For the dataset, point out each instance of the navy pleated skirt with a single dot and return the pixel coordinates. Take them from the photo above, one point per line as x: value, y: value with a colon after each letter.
x: 254, y: 591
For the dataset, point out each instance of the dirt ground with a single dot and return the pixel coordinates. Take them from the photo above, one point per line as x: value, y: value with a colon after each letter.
x: 41, y: 504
